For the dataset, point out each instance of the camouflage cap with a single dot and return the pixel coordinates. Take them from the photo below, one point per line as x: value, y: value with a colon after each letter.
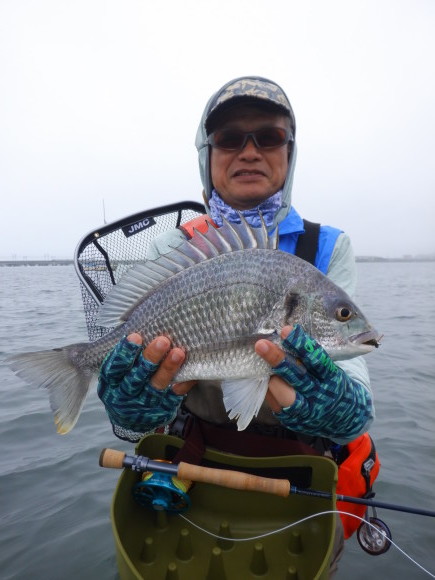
x: 248, y: 89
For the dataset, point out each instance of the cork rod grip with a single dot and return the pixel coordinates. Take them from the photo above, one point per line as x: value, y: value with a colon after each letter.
x: 234, y: 479
x: 112, y: 458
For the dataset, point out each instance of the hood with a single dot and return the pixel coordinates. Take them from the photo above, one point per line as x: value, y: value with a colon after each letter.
x: 240, y: 90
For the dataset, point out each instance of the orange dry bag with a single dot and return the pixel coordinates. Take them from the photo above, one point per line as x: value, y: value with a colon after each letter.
x: 356, y: 476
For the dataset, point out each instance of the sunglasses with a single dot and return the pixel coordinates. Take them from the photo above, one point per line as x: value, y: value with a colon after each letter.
x: 235, y: 140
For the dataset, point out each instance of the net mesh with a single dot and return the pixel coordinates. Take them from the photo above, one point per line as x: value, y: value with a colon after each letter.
x: 105, y: 255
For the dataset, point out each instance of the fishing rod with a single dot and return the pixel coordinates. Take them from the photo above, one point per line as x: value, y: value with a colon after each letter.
x: 112, y: 458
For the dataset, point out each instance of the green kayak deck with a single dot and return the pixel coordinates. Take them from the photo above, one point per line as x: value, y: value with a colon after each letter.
x: 160, y: 545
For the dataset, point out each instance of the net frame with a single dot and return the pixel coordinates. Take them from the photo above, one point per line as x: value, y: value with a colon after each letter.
x: 105, y: 254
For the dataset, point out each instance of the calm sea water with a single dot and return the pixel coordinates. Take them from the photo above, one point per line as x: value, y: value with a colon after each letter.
x: 55, y: 499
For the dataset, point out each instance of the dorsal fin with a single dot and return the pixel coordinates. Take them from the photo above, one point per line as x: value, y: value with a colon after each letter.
x: 143, y: 277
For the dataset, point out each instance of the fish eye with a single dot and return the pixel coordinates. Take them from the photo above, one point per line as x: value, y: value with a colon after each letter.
x: 343, y: 314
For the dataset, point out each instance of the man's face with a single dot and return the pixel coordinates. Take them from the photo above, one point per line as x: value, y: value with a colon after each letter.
x: 247, y: 177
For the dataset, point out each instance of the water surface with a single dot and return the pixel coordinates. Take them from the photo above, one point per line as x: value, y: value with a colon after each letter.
x: 55, y: 499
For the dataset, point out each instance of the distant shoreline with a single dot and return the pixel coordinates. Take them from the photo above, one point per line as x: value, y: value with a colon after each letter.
x: 403, y: 259
x: 14, y: 263
x: 36, y: 262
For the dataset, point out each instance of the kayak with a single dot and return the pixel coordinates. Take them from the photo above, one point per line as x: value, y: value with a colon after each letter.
x: 222, y: 535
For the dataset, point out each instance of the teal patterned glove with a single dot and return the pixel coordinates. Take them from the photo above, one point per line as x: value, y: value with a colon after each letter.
x: 328, y: 402
x: 131, y: 402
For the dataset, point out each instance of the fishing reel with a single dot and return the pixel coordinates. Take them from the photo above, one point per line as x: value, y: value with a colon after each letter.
x: 162, y: 491
x: 374, y: 535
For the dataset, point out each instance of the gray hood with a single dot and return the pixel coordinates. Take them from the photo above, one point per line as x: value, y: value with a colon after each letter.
x: 246, y: 89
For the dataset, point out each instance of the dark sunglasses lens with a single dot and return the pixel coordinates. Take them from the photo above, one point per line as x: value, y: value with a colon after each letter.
x: 271, y: 137
x: 228, y: 139
x: 234, y: 140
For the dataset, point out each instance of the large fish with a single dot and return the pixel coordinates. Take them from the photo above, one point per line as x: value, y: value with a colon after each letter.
x: 214, y: 296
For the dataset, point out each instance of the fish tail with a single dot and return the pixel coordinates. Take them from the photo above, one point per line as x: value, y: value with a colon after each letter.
x: 62, y: 372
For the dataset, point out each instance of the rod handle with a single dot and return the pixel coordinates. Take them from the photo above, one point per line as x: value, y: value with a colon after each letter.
x: 233, y: 479
x: 112, y: 458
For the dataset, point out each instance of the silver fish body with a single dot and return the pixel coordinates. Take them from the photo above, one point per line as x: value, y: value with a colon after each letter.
x: 214, y: 296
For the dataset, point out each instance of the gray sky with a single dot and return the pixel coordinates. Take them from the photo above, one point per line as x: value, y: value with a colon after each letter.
x: 100, y: 99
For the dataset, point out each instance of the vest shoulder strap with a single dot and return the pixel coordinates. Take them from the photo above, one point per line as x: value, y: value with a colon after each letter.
x: 306, y: 247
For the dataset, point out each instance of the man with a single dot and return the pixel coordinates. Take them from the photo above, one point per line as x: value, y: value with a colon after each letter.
x: 247, y: 152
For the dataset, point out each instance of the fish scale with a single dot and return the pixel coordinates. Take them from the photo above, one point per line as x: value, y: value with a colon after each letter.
x: 229, y: 291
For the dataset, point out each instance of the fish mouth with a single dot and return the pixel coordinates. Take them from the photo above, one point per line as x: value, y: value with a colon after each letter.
x: 370, y: 339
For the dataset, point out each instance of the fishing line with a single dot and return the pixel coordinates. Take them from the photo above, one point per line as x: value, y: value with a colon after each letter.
x: 288, y: 526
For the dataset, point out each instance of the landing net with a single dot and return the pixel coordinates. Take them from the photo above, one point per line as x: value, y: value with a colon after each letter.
x: 104, y: 255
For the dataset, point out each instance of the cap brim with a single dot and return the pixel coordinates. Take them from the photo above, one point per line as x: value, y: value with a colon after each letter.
x: 267, y: 105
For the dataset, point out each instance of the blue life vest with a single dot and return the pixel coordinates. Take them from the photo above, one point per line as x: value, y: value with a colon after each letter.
x: 293, y: 226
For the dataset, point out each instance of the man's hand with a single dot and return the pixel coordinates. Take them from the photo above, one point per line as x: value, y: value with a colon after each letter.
x: 134, y: 385
x: 280, y: 393
x: 310, y: 393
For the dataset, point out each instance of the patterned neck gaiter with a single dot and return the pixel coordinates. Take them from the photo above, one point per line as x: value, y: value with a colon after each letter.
x: 267, y: 209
